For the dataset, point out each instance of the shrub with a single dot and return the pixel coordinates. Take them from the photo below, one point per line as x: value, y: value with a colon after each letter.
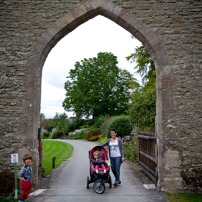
x: 121, y: 124
x: 142, y: 110
x: 94, y: 134
x: 57, y: 134
x: 84, y: 126
x: 77, y: 134
x: 94, y: 138
x: 43, y: 171
x: 104, y: 125
x: 99, y: 121
x: 50, y: 136
x: 78, y: 131
x: 79, y: 123
x: 45, y: 135
x: 102, y: 139
x: 85, y: 134
x: 49, y: 128
x: 131, y: 150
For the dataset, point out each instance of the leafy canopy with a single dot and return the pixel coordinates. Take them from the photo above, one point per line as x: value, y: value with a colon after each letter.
x: 97, y: 86
x: 142, y: 109
x: 61, y: 121
x: 144, y: 64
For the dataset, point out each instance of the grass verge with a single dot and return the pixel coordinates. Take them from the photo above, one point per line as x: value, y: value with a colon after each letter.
x: 61, y: 150
x: 6, y: 200
x: 183, y: 197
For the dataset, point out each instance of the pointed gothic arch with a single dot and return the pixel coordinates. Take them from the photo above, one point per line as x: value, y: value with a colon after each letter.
x: 67, y: 24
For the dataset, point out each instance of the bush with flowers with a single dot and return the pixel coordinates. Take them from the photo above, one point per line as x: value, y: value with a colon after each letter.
x: 85, y: 134
x: 93, y: 134
x: 94, y: 138
x: 77, y: 134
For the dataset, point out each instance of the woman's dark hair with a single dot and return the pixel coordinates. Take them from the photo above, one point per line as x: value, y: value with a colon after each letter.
x: 113, y: 130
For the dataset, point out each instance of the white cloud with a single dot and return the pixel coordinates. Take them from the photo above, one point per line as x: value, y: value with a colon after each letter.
x: 96, y: 35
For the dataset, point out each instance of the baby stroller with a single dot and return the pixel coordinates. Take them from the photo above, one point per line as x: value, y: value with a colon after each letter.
x: 99, y: 178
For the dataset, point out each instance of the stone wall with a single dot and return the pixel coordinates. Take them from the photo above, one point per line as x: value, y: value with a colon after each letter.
x: 172, y: 33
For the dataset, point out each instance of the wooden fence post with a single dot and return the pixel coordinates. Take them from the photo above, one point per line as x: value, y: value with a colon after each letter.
x: 54, y: 161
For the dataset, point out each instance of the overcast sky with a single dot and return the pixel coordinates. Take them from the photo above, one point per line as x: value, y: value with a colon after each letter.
x: 96, y: 35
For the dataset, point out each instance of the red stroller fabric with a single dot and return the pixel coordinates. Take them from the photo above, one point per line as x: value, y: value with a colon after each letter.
x: 103, y: 155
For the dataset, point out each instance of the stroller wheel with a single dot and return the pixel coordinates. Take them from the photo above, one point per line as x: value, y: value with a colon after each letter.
x: 88, y: 182
x: 110, y: 182
x: 99, y: 187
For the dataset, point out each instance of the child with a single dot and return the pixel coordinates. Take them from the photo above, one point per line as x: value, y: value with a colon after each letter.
x: 97, y: 157
x: 26, y: 174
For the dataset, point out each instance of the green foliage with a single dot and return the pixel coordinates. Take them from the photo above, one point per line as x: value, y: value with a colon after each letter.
x: 48, y: 124
x: 6, y: 200
x: 131, y: 150
x: 61, y: 122
x: 145, y: 65
x: 77, y: 134
x: 77, y: 123
x: 84, y: 126
x: 49, y: 129
x: 97, y: 86
x: 94, y: 134
x: 42, y: 116
x: 58, y: 134
x: 121, y: 124
x: 142, y: 110
x: 183, y: 197
x: 102, y: 139
x: 104, y: 125
x: 43, y: 171
x: 45, y: 135
x: 60, y: 150
x: 99, y: 121
x: 72, y: 125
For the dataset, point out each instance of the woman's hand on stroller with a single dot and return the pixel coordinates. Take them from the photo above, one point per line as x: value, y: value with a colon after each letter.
x: 108, y: 163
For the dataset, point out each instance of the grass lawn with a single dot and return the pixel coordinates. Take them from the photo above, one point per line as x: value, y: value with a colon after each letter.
x: 60, y: 150
x: 5, y: 200
x: 183, y: 197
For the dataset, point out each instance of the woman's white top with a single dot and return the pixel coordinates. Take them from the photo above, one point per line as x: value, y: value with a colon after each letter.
x: 114, y: 149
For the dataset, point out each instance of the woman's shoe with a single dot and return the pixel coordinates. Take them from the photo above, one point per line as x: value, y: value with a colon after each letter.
x: 115, y: 185
x: 119, y: 182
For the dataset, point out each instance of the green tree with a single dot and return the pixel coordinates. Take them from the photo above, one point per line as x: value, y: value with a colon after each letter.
x: 142, y: 109
x: 144, y: 64
x: 48, y: 124
x: 97, y: 86
x: 43, y: 118
x: 61, y: 122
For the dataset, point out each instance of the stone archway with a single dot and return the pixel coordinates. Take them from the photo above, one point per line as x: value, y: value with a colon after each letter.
x: 68, y: 23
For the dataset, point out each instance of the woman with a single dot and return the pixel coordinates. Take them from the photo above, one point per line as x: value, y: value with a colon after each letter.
x: 116, y: 155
